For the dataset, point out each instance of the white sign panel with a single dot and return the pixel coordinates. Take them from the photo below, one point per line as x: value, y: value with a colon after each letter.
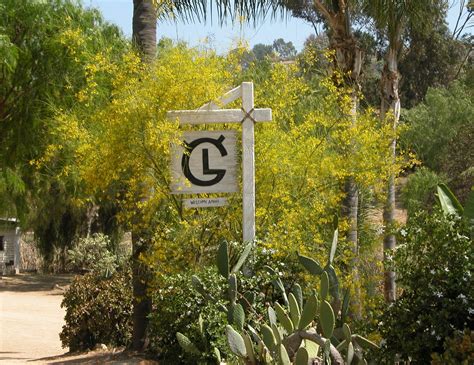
x: 205, y: 163
x: 204, y: 202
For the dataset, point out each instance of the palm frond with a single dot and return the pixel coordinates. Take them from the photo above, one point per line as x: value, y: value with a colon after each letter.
x: 201, y: 10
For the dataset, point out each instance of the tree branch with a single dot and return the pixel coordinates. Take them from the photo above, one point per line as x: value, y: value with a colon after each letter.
x: 326, y: 13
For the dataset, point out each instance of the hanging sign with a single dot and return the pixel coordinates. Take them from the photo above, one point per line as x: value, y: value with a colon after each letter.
x: 206, y: 162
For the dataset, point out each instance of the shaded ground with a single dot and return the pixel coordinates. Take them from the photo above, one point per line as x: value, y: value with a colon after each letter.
x: 31, y: 318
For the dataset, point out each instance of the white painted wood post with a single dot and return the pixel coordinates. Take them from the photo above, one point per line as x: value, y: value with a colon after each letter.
x: 248, y: 165
x: 211, y: 113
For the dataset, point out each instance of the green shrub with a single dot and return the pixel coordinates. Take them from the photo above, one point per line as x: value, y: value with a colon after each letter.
x: 176, y: 308
x: 419, y: 191
x: 458, y: 162
x: 98, y: 310
x: 459, y: 350
x: 435, y: 122
x: 94, y: 254
x: 434, y: 264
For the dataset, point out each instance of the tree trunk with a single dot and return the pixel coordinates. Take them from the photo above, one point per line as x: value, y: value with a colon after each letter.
x: 144, y: 28
x: 144, y: 39
x: 141, y: 299
x: 390, y: 101
x: 349, y: 60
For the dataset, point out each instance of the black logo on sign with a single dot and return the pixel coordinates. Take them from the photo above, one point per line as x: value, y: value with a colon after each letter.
x: 219, y: 173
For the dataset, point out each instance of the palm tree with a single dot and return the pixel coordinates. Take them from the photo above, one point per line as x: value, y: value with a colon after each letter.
x: 144, y: 28
x: 391, y: 18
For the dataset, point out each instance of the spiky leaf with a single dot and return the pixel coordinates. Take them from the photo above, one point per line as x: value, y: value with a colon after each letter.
x: 449, y: 203
x: 327, y: 319
x: 309, y: 312
x: 270, y: 270
x: 236, y: 342
x: 350, y: 353
x: 335, y: 238
x: 324, y: 288
x: 272, y: 317
x: 238, y: 316
x: 312, y: 347
x: 232, y: 288
x: 277, y: 334
x: 310, y: 264
x: 242, y: 258
x: 283, y: 358
x: 254, y: 334
x: 217, y: 355
x: 295, y: 313
x: 364, y: 343
x: 223, y: 259
x: 284, y: 319
x: 268, y: 337
x: 302, y: 357
x: 249, y: 348
x: 345, y: 305
x: 298, y: 293
x: 333, y: 281
x: 186, y: 344
x: 342, y: 345
x: 277, y: 283
x: 347, y: 332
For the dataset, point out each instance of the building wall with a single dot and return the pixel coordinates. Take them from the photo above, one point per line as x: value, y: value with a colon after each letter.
x: 11, y: 248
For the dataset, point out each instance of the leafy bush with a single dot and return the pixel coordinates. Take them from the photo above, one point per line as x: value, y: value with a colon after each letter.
x: 176, y: 308
x: 435, y: 122
x: 98, y: 311
x: 94, y: 254
x: 459, y: 350
x: 419, y: 191
x: 434, y: 263
x: 458, y: 162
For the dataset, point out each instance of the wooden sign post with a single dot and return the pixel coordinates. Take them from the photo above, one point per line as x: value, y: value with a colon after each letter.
x: 248, y: 116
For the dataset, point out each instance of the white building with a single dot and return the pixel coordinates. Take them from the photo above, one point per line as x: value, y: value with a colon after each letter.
x: 9, y: 246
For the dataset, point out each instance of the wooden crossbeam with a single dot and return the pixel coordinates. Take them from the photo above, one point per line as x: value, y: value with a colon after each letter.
x: 218, y: 116
x: 225, y: 99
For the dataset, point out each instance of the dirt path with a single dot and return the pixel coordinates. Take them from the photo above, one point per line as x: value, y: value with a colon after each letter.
x: 31, y: 319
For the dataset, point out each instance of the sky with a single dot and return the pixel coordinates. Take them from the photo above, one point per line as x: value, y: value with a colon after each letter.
x: 221, y: 38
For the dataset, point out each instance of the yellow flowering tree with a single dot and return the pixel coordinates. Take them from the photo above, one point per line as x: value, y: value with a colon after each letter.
x: 121, y: 150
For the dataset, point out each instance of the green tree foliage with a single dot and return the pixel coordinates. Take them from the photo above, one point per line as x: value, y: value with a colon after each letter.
x: 419, y: 191
x: 46, y: 46
x: 262, y: 51
x: 432, y: 60
x: 434, y: 123
x: 434, y: 265
x: 285, y: 50
x: 458, y: 162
